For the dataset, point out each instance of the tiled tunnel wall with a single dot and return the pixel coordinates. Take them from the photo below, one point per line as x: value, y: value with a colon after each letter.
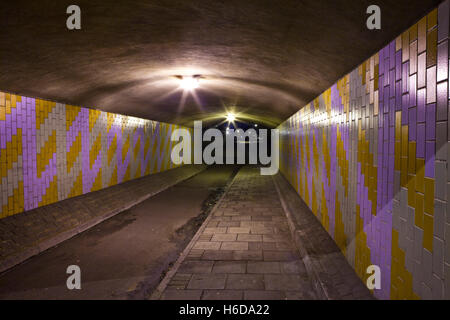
x: 369, y: 157
x: 52, y: 151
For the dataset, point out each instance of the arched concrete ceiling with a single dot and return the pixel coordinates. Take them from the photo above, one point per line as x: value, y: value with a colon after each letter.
x: 266, y: 58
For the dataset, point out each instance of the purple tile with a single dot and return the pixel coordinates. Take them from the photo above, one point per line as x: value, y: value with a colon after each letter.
x: 398, y: 65
x: 430, y: 122
x: 420, y: 143
x: 392, y: 83
x: 398, y: 96
x: 405, y: 104
x: 386, y: 100
x: 429, y: 160
x: 386, y: 72
x: 392, y: 55
x: 412, y: 91
x: 405, y: 77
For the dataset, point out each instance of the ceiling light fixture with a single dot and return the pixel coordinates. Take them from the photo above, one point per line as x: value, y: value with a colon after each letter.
x: 231, y: 117
x: 189, y: 82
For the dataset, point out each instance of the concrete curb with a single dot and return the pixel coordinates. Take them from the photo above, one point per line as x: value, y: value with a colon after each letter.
x: 157, y: 293
x: 308, y: 259
x: 46, y: 244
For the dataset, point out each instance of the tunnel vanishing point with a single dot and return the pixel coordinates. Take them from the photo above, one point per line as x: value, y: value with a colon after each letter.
x: 100, y: 198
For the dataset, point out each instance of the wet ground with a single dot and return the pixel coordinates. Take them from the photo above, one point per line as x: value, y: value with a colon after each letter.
x: 126, y: 256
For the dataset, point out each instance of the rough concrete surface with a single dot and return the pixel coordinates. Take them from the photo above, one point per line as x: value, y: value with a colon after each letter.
x: 267, y: 58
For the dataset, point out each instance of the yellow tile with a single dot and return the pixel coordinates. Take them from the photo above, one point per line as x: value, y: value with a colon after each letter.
x: 2, y: 99
x: 420, y: 175
x: 429, y: 196
x: 398, y: 126
x: 13, y: 101
x: 2, y: 113
x: 404, y: 141
x: 431, y: 48
x: 432, y: 19
x: 428, y: 232
x: 8, y: 106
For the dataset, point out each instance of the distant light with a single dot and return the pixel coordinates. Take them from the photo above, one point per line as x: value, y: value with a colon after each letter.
x: 231, y: 117
x: 189, y: 83
x: 256, y: 125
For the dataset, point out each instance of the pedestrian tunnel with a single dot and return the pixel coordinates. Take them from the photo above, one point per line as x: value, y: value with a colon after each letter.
x: 238, y: 150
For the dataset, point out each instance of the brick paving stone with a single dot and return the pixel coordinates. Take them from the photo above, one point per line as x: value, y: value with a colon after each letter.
x: 196, y: 266
x: 236, y: 245
x: 229, y: 224
x: 207, y: 281
x: 249, y: 237
x: 238, y: 230
x: 262, y: 246
x: 264, y: 295
x: 213, y: 224
x: 207, y: 245
x: 280, y: 255
x: 222, y: 295
x: 174, y: 294
x: 245, y: 281
x: 247, y: 255
x: 217, y: 255
x: 262, y: 230
x: 229, y: 267
x: 215, y: 230
x: 241, y: 218
x: 263, y: 267
x: 276, y: 237
x: 296, y: 266
x: 300, y: 295
x: 287, y: 282
x: 222, y: 237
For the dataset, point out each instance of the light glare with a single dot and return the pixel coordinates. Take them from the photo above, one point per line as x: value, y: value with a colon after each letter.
x: 231, y: 117
x: 189, y: 83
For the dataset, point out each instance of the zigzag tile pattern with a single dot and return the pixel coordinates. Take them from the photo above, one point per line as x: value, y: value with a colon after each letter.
x: 369, y: 157
x: 51, y: 151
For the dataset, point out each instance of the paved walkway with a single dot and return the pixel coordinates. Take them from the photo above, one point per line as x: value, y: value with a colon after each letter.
x: 244, y: 250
